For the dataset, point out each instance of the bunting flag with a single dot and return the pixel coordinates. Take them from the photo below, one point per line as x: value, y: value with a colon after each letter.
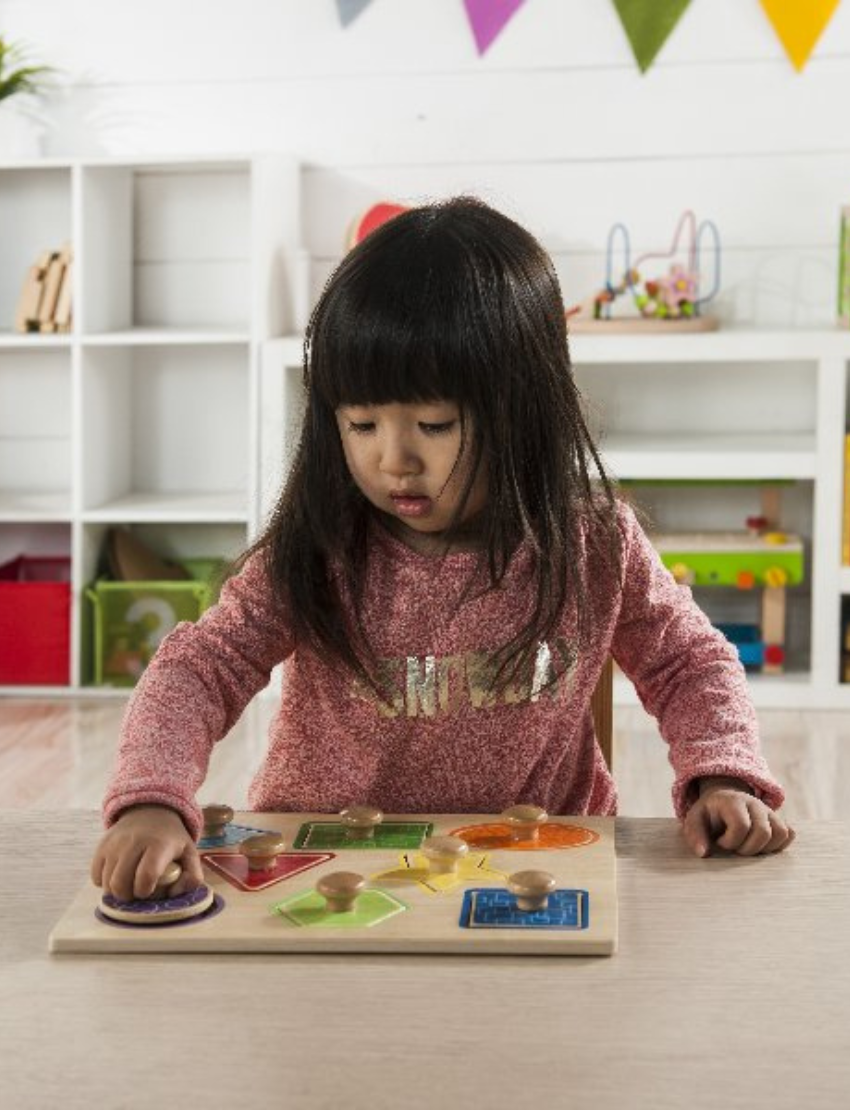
x: 350, y: 9
x: 488, y: 18
x: 799, y: 24
x: 647, y: 24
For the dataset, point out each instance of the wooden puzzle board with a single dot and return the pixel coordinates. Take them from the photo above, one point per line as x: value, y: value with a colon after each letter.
x: 421, y: 917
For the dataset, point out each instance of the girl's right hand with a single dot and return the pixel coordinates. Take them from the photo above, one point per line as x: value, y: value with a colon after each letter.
x: 133, y: 854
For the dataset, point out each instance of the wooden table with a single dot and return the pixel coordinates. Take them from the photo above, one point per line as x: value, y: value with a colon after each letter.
x: 731, y: 989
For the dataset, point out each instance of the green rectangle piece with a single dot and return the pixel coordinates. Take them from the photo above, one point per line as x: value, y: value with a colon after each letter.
x: 330, y: 835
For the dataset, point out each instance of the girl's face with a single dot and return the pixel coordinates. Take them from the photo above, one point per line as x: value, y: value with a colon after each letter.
x: 406, y: 460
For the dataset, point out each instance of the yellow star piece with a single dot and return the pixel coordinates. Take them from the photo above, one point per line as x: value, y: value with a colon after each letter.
x: 473, y: 868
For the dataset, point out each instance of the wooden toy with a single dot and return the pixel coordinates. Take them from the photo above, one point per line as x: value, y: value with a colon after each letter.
x: 261, y: 851
x: 525, y: 822
x: 340, y: 890
x: 167, y: 879
x: 532, y: 889
x: 736, y: 559
x: 444, y: 853
x: 770, y: 561
x: 425, y: 883
x: 360, y: 822
x: 216, y: 819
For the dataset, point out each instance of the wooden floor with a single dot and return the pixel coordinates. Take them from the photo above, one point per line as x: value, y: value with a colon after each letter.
x: 57, y: 754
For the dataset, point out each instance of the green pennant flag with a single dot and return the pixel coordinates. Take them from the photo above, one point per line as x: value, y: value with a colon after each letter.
x: 647, y: 24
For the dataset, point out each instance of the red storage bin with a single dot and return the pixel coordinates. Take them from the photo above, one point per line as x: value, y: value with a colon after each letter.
x: 35, y: 621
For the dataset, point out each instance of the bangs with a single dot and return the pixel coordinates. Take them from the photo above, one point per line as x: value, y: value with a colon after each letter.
x: 401, y: 325
x: 385, y: 365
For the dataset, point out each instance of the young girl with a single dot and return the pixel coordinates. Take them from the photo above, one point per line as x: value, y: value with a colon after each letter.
x: 444, y: 580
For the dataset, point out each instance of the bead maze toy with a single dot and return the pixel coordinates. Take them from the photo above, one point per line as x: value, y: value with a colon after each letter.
x: 521, y: 882
x: 661, y: 303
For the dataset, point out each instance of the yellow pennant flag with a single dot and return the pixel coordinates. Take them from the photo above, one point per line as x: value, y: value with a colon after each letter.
x: 799, y: 24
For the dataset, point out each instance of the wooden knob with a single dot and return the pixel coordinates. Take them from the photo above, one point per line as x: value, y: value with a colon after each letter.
x: 216, y: 818
x: 262, y: 850
x: 167, y: 879
x: 444, y: 853
x: 531, y: 889
x: 525, y: 821
x: 340, y: 890
x: 360, y: 822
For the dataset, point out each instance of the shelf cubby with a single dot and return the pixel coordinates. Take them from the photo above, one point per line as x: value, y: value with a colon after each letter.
x: 35, y: 434
x: 166, y: 247
x: 168, y: 433
x: 35, y: 216
x: 146, y: 413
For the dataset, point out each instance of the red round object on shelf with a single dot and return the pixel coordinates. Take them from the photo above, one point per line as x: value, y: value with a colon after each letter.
x: 371, y: 219
x: 774, y: 653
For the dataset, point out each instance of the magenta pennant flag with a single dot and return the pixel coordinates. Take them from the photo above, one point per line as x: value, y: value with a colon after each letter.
x: 488, y: 18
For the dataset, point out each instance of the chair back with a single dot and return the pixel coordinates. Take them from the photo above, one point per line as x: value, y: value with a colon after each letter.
x: 602, y: 707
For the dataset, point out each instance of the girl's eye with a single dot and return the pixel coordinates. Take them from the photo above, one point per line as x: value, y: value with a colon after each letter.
x: 437, y: 429
x: 360, y: 428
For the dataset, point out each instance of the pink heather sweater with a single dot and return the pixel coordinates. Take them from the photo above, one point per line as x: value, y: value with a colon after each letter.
x: 439, y: 741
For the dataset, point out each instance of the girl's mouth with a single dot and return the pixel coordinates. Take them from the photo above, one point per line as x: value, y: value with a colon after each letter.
x: 413, y: 505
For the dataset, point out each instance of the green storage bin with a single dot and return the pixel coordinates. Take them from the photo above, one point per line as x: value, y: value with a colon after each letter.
x: 129, y: 620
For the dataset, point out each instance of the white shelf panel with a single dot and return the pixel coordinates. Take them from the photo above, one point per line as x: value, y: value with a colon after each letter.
x: 726, y: 344
x: 34, y: 506
x: 14, y: 340
x: 189, y: 508
x: 165, y: 337
x: 789, y: 691
x: 733, y: 344
x: 39, y: 692
x: 711, y: 456
x: 844, y: 584
x: 287, y: 350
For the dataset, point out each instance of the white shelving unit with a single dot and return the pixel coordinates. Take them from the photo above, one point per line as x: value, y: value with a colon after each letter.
x: 732, y: 407
x: 173, y: 404
x: 146, y: 414
x: 737, y: 406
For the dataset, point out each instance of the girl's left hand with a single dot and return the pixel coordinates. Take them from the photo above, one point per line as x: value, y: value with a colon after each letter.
x: 736, y: 821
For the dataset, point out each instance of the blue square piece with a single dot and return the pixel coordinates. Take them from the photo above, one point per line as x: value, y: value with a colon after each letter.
x: 233, y: 834
x: 489, y: 908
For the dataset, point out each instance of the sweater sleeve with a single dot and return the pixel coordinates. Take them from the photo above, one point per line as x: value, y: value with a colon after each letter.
x: 192, y: 693
x: 687, y: 675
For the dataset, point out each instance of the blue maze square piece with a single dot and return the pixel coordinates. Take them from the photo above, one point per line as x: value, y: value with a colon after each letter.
x: 233, y: 834
x: 494, y: 908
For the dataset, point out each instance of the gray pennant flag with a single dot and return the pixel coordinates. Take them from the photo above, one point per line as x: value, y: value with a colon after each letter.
x: 350, y: 9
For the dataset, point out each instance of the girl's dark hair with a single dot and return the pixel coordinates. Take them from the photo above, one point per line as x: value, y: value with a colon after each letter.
x: 449, y: 301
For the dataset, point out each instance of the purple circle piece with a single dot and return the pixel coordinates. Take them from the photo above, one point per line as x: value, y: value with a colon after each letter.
x: 148, y: 919
x: 150, y: 907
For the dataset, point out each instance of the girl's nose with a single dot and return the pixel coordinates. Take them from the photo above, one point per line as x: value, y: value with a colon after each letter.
x: 398, y: 460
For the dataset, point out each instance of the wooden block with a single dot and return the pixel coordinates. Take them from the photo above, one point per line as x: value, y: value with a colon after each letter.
x: 50, y: 294
x: 29, y: 302
x: 62, y: 311
x: 773, y: 623
x: 773, y: 615
x: 771, y: 505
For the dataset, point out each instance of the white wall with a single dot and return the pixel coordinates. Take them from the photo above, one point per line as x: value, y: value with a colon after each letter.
x: 555, y: 124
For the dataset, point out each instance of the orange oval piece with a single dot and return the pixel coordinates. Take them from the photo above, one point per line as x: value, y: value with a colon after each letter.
x: 553, y: 834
